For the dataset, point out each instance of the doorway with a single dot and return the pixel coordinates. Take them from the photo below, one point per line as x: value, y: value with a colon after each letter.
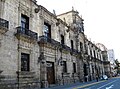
x: 85, y: 72
x: 50, y: 72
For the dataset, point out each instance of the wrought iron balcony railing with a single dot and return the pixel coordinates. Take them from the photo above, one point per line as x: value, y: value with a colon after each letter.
x: 106, y: 62
x: 65, y: 47
x: 4, y: 23
x: 74, y: 51
x: 45, y: 39
x: 27, y: 32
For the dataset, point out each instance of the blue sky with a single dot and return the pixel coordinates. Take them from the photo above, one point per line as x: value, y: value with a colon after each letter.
x: 101, y: 19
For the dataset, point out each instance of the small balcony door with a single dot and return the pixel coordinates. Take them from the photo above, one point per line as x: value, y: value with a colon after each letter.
x: 24, y: 24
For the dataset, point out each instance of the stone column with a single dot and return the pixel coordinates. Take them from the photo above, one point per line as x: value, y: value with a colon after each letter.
x: 43, y: 75
x: 90, y: 65
x: 81, y: 74
x: 58, y: 75
x: 43, y: 69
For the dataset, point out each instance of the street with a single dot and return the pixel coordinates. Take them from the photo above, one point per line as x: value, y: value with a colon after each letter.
x: 113, y: 83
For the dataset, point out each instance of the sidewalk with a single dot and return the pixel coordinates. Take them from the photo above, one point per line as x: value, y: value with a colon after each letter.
x: 71, y: 86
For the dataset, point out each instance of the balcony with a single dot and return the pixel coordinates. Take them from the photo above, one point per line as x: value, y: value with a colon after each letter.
x: 106, y: 62
x: 47, y: 40
x: 74, y: 51
x: 3, y: 26
x: 65, y: 47
x: 26, y: 34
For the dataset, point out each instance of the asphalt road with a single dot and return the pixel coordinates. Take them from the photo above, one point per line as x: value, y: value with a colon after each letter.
x: 113, y: 83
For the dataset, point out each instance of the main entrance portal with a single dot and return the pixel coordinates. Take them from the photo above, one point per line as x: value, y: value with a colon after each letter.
x: 50, y: 72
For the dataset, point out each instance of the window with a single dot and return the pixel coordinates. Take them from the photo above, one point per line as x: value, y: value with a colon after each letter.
x: 86, y: 48
x: 47, y: 30
x: 62, y: 39
x: 91, y: 52
x: 97, y: 55
x: 74, y: 67
x: 72, y: 46
x: 64, y: 67
x: 24, y: 22
x: 81, y: 46
x: 25, y: 65
x: 94, y: 54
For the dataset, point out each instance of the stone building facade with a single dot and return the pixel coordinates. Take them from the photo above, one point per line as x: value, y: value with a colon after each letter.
x: 39, y: 48
x: 106, y: 64
x: 94, y: 60
x: 111, y: 58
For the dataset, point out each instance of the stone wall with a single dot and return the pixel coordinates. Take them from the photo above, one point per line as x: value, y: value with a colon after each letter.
x: 12, y: 44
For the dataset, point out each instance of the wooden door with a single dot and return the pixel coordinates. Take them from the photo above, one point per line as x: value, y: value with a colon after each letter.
x: 50, y: 72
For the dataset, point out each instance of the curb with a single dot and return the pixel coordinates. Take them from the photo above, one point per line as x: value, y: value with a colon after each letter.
x: 89, y: 84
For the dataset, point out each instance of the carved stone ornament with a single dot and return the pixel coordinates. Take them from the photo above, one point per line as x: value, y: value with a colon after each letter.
x: 37, y: 10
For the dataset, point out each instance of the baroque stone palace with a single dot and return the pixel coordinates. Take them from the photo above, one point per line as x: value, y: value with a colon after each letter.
x: 40, y: 48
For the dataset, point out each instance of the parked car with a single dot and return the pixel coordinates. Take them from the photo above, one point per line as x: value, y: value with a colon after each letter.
x: 104, y: 77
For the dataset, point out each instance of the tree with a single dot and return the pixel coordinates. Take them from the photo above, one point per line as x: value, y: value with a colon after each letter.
x: 117, y: 66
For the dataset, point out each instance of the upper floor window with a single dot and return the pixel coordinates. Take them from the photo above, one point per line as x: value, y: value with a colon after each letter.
x: 47, y: 30
x: 97, y: 55
x: 91, y: 52
x: 62, y: 39
x: 74, y: 67
x: 72, y: 46
x: 94, y: 54
x: 86, y: 48
x: 81, y: 46
x: 24, y: 22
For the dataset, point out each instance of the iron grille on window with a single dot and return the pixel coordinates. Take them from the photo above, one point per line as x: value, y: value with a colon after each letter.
x: 25, y: 62
x: 64, y: 67
x: 4, y: 23
x: 27, y: 32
